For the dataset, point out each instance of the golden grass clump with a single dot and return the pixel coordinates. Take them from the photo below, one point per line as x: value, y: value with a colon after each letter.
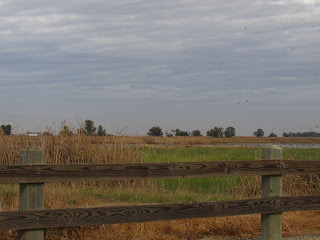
x: 71, y: 149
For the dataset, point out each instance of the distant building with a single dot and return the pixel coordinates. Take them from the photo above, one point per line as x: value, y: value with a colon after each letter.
x: 33, y: 134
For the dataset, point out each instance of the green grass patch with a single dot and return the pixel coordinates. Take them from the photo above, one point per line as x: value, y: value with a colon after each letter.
x: 199, y: 154
x: 301, y: 154
x: 219, y: 185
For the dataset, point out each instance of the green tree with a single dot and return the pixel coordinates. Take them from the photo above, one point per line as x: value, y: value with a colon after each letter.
x: 230, y: 132
x: 215, y: 132
x: 155, y: 131
x: 210, y: 133
x: 196, y: 133
x: 89, y: 126
x: 101, y: 131
x: 259, y: 133
x: 179, y: 132
x: 272, y: 135
x: 6, y: 129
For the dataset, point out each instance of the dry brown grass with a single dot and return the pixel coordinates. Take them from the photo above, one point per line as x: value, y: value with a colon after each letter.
x: 294, y: 224
x: 79, y: 140
x: 71, y: 149
x: 84, y: 149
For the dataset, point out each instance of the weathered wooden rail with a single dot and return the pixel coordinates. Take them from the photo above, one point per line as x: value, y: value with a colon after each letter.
x: 37, y: 173
x: 31, y: 218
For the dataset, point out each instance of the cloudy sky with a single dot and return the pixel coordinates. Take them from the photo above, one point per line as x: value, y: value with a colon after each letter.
x: 175, y: 64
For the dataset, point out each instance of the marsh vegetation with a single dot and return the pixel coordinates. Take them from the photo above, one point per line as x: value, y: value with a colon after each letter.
x: 117, y: 149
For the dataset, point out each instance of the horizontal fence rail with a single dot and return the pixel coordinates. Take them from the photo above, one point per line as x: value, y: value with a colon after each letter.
x: 155, y: 212
x: 95, y: 172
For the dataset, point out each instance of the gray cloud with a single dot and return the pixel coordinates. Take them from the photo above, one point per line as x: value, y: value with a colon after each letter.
x: 78, y: 57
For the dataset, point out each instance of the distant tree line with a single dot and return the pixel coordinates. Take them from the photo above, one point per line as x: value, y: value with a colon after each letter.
x: 87, y: 129
x: 301, y: 134
x: 218, y: 132
x: 215, y: 132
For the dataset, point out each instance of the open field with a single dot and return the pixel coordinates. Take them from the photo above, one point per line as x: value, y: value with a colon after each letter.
x: 151, y: 140
x: 211, y: 140
x: 84, y: 149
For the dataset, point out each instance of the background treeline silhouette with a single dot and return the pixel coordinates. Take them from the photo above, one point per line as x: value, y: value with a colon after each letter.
x: 301, y: 134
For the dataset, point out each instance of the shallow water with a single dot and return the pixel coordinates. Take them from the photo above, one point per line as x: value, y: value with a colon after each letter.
x: 283, y: 145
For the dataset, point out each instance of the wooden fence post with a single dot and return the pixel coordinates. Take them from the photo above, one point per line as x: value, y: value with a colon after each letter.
x: 31, y: 196
x: 271, y: 224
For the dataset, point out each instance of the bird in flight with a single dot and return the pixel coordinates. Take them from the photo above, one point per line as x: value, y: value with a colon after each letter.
x: 240, y: 101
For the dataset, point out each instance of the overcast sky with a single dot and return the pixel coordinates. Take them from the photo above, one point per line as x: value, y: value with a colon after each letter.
x: 175, y: 64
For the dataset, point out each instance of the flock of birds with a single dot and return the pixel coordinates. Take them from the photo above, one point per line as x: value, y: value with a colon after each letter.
x: 291, y: 47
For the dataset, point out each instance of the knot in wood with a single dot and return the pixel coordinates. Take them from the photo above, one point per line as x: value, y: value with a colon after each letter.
x: 134, y: 212
x: 280, y: 166
x: 181, y: 167
x: 222, y: 165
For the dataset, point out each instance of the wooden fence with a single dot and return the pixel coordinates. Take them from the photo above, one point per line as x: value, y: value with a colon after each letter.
x: 32, y: 173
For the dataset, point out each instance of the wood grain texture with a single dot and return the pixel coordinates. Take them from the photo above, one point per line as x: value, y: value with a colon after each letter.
x: 31, y: 196
x: 87, y: 172
x: 145, y: 213
x: 271, y: 223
